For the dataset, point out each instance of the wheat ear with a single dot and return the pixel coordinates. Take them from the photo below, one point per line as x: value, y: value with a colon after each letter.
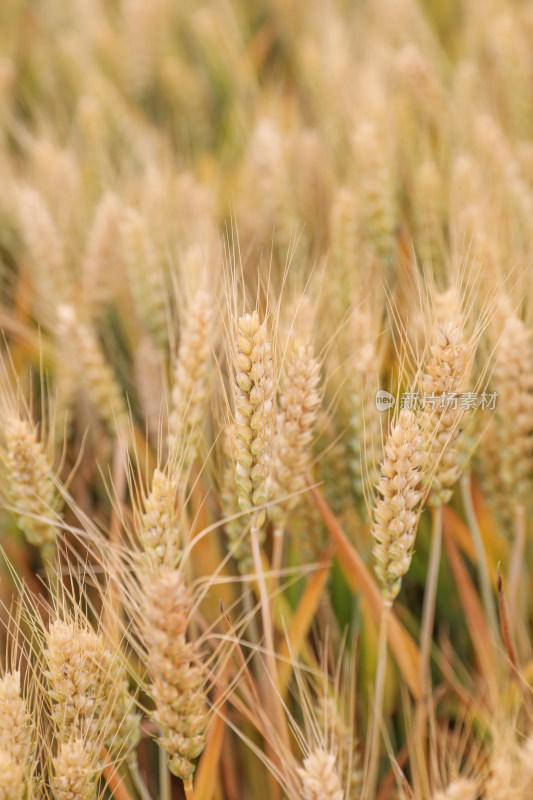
x: 103, y: 256
x: 31, y: 487
x: 292, y: 456
x: 44, y: 244
x: 94, y: 371
x: 146, y: 275
x: 254, y: 397
x: 176, y: 671
x: 254, y: 424
x: 75, y: 771
x: 15, y: 739
x: 446, y: 375
x: 365, y: 422
x: 157, y: 522
x: 513, y: 380
x: 190, y: 390
x: 11, y: 777
x: 331, y: 720
x: 447, y: 372
x: 87, y: 684
x: 502, y: 783
x: 460, y: 789
x: 239, y: 545
x: 319, y: 777
x: 377, y: 191
x: 396, y: 516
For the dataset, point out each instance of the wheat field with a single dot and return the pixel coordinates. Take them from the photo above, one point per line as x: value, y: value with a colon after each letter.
x: 266, y: 400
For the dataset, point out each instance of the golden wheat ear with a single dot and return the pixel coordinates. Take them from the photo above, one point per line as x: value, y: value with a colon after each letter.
x: 397, y: 509
x: 190, y: 391
x: 32, y: 490
x: 460, y: 789
x: 365, y: 434
x: 176, y: 670
x: 16, y: 746
x: 292, y: 454
x: 74, y: 772
x: 319, y: 777
x: 88, y: 688
x: 156, y: 521
x: 146, y: 275
x: 254, y: 412
x: 396, y: 516
x: 446, y: 375
x: 92, y: 369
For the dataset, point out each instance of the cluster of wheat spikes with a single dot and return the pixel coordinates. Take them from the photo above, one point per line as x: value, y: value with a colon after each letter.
x: 266, y: 400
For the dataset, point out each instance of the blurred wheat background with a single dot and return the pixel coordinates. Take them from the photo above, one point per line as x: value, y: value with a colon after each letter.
x: 225, y: 571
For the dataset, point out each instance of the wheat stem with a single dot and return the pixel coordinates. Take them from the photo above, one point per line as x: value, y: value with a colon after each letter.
x: 265, y: 605
x: 370, y: 783
x: 277, y: 555
x: 49, y: 557
x: 430, y: 594
x: 137, y: 779
x: 267, y: 626
x: 165, y: 785
x: 483, y: 572
x: 426, y: 631
x: 188, y: 789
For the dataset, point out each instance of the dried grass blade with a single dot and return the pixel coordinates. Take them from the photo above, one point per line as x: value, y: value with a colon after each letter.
x: 471, y: 604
